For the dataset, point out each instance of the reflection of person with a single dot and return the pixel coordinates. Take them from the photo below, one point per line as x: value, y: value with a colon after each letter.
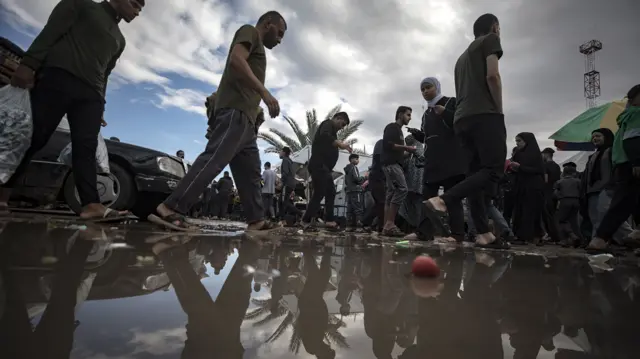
x: 314, y: 315
x: 53, y: 336
x: 213, y: 329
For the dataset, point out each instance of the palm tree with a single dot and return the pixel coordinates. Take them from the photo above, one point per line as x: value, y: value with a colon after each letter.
x: 278, y: 139
x: 332, y: 335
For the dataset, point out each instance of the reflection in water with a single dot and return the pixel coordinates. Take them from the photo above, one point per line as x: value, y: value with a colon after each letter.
x: 321, y: 302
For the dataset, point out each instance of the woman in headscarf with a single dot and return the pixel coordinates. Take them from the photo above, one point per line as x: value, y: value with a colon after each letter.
x: 529, y: 186
x: 444, y: 164
x: 597, y: 182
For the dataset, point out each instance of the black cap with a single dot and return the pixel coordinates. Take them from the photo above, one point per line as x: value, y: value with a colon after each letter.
x: 569, y: 164
x: 549, y: 150
x: 344, y: 116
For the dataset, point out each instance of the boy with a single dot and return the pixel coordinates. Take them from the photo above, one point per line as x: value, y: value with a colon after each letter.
x: 353, y: 188
x: 567, y: 191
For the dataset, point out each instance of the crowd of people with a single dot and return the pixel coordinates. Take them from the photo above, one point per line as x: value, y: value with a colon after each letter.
x: 462, y: 164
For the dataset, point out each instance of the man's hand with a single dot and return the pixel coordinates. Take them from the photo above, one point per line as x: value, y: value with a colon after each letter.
x: 411, y: 149
x: 636, y: 172
x: 439, y: 109
x: 344, y: 146
x: 272, y: 104
x: 515, y: 165
x: 23, y: 77
x: 103, y: 123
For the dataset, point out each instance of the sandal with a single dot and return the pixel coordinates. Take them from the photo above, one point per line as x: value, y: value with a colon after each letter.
x: 309, y: 227
x: 437, y: 218
x: 497, y: 244
x: 109, y: 216
x: 174, y: 221
x: 266, y: 226
x: 394, y: 232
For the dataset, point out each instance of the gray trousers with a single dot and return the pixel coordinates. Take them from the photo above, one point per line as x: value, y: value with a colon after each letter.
x: 355, y: 208
x: 267, y: 204
x: 233, y: 142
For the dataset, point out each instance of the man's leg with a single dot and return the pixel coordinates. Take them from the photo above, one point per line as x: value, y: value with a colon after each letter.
x: 359, y: 208
x: 329, y: 199
x: 245, y: 167
x: 456, y: 210
x: 351, y: 217
x: 377, y: 210
x: 232, y: 131
x: 265, y: 204
x: 84, y: 123
x: 48, y: 106
x: 425, y: 227
x: 224, y: 205
x: 399, y: 191
x: 485, y: 137
x: 313, y: 206
x: 604, y: 202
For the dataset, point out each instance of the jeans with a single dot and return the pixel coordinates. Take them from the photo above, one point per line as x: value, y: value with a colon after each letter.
x: 497, y: 218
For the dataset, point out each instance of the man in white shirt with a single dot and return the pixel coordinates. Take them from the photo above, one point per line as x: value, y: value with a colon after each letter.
x: 268, y: 190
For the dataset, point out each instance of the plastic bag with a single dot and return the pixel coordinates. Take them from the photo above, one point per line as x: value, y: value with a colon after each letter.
x: 16, y: 127
x: 102, y: 155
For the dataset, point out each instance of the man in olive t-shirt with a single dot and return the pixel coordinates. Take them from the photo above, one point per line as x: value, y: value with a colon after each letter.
x: 233, y: 131
x: 479, y: 123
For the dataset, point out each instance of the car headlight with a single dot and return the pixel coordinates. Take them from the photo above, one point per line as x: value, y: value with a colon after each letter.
x: 171, y: 166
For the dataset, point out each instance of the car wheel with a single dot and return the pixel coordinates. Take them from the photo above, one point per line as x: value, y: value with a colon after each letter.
x: 146, y: 203
x: 117, y: 190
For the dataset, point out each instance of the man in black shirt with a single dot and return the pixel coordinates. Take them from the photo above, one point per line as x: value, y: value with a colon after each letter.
x: 324, y: 156
x: 288, y: 184
x: 393, y: 155
x: 552, y: 174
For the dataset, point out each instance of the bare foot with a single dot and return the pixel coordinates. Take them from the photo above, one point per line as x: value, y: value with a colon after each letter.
x: 635, y: 235
x: 411, y: 237
x: 164, y: 211
x: 438, y: 204
x: 598, y: 244
x: 97, y: 210
x: 485, y: 238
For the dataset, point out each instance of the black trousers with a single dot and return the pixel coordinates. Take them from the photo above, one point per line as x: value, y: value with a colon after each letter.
x: 549, y: 216
x: 378, y: 192
x: 233, y: 142
x: 323, y: 188
x: 509, y: 203
x: 221, y: 205
x: 567, y: 217
x: 267, y: 204
x: 355, y: 208
x: 56, y: 93
x: 456, y: 210
x: 287, y: 207
x: 484, y: 139
x: 625, y: 201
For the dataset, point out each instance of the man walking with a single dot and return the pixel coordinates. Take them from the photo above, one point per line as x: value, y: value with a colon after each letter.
x: 225, y: 189
x: 268, y: 190
x: 324, y: 156
x: 289, y: 182
x: 67, y: 67
x: 479, y: 123
x: 353, y: 189
x: 393, y: 155
x: 233, y: 128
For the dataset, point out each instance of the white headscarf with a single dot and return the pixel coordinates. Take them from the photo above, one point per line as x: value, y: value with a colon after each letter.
x: 433, y: 81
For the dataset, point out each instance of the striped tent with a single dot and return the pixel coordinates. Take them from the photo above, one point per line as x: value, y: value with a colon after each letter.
x: 576, y: 135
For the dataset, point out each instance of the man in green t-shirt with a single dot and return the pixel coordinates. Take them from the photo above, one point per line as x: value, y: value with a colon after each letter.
x: 67, y: 67
x: 479, y: 123
x: 233, y: 128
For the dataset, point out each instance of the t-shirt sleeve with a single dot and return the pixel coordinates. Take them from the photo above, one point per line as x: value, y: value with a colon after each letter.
x: 248, y: 36
x: 491, y: 46
x: 389, y: 137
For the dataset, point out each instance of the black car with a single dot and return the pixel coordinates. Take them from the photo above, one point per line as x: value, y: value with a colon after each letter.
x: 139, y: 179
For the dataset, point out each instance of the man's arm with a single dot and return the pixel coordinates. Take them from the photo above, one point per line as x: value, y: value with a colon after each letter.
x: 391, y: 133
x: 492, y: 51
x: 245, y: 41
x: 111, y: 66
x: 63, y: 16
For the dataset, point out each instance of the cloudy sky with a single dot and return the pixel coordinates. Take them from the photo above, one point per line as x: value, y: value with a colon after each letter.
x: 370, y: 55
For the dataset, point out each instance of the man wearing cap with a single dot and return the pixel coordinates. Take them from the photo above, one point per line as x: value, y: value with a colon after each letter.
x: 552, y: 174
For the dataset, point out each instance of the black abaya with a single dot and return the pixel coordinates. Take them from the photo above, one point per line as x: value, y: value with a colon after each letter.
x: 529, y: 190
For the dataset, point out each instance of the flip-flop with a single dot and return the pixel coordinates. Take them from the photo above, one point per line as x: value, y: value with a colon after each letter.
x: 437, y: 218
x: 309, y: 228
x: 394, y: 232
x: 109, y: 216
x: 166, y: 222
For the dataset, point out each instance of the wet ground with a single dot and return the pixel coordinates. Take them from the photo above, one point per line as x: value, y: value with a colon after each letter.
x: 71, y: 290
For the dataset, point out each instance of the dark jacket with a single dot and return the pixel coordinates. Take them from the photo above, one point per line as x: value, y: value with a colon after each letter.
x: 287, y: 174
x: 225, y: 185
x: 444, y: 156
x: 352, y: 179
x: 567, y: 187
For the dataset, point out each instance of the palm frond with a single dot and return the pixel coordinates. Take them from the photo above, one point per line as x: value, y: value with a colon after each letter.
x: 333, y: 112
x: 361, y: 152
x: 335, y: 337
x: 351, y: 141
x: 270, y: 139
x: 297, y: 131
x: 348, y: 131
x: 288, y: 141
x: 295, y: 341
x: 286, y: 322
x: 312, y: 124
x: 279, y: 313
x: 261, y: 301
x: 258, y: 312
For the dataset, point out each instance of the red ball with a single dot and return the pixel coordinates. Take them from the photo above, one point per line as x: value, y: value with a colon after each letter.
x: 425, y: 267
